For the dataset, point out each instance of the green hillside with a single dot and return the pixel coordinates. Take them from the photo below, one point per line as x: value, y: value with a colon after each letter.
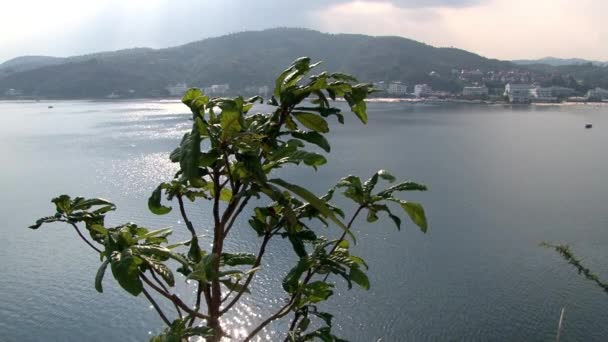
x: 258, y: 54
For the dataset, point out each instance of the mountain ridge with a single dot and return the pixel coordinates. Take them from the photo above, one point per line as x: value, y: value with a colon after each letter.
x: 244, y: 59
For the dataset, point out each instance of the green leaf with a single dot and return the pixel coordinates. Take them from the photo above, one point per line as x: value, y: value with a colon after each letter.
x: 233, y: 286
x: 164, y: 232
x: 100, y: 273
x: 312, y: 121
x: 191, y: 95
x: 238, y: 259
x: 359, y: 277
x: 203, y: 271
x: 404, y: 186
x: 161, y: 269
x: 416, y: 214
x: 157, y: 251
x: 315, y: 201
x: 154, y: 202
x: 188, y: 154
x: 316, y: 292
x: 126, y: 272
x: 356, y: 101
x: 62, y: 204
x: 291, y: 280
x: 194, y: 253
x: 313, y: 138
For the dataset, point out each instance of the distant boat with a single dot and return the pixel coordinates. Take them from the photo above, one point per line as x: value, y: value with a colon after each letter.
x: 588, y: 126
x: 50, y: 106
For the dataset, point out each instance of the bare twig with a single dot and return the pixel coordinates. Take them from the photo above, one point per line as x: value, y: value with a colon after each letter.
x: 172, y: 298
x: 84, y: 238
x: 257, y: 263
x: 153, y: 273
x: 156, y: 307
x: 236, y: 214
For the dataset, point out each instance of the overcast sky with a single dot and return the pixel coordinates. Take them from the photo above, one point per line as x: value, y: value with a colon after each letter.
x: 505, y: 29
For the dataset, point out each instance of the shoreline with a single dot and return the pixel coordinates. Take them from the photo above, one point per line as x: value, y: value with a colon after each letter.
x: 412, y: 101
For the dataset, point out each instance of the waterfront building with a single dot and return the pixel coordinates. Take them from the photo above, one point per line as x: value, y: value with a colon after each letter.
x: 597, y: 94
x: 543, y: 94
x: 177, y: 89
x: 475, y: 91
x: 561, y: 91
x: 13, y: 92
x: 519, y: 93
x: 422, y: 90
x: 217, y: 89
x: 397, y: 88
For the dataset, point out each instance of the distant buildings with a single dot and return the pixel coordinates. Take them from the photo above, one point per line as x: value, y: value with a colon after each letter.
x: 13, y: 92
x: 381, y: 86
x: 540, y: 94
x: 519, y: 93
x: 217, y: 89
x: 397, y: 89
x: 177, y: 89
x: 597, y: 94
x: 422, y: 90
x: 527, y: 93
x: 475, y: 91
x: 562, y: 92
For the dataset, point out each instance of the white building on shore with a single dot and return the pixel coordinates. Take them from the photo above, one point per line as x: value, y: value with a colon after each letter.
x: 13, y: 92
x: 519, y: 93
x: 217, y: 89
x: 422, y: 90
x: 475, y: 91
x: 597, y: 94
x: 397, y: 88
x: 177, y: 89
x: 543, y: 94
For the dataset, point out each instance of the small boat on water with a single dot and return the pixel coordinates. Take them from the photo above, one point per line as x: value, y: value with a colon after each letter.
x: 588, y: 126
x: 50, y: 106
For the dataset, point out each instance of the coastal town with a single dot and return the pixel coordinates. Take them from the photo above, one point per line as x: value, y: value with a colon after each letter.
x: 473, y: 86
x: 514, y: 91
x: 513, y: 86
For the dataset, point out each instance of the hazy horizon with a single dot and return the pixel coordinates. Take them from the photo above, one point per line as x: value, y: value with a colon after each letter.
x: 500, y: 29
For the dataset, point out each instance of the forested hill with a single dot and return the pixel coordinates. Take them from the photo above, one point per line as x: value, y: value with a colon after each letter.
x: 241, y: 60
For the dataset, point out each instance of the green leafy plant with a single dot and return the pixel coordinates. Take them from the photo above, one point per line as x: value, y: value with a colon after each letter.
x: 565, y: 252
x: 228, y: 158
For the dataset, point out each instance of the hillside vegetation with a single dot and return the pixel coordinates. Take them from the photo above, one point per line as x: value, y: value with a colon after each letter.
x: 258, y: 54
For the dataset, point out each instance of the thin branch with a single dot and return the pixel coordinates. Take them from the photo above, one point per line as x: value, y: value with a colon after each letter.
x: 172, y: 298
x: 227, y: 162
x: 229, y: 293
x: 279, y: 314
x: 197, y: 306
x: 567, y: 254
x: 257, y: 263
x: 293, y: 300
x: 179, y: 312
x: 84, y: 238
x: 160, y: 312
x: 236, y: 215
x: 182, y: 210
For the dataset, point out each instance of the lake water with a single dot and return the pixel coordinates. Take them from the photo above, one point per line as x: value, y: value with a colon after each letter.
x: 501, y: 181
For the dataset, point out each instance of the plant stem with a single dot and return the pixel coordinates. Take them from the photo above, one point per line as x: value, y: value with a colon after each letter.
x: 257, y: 263
x: 160, y: 312
x: 179, y: 312
x: 85, y: 239
x: 287, y: 308
x: 173, y: 298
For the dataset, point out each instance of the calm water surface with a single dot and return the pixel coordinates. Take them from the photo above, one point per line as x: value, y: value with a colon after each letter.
x: 501, y: 181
